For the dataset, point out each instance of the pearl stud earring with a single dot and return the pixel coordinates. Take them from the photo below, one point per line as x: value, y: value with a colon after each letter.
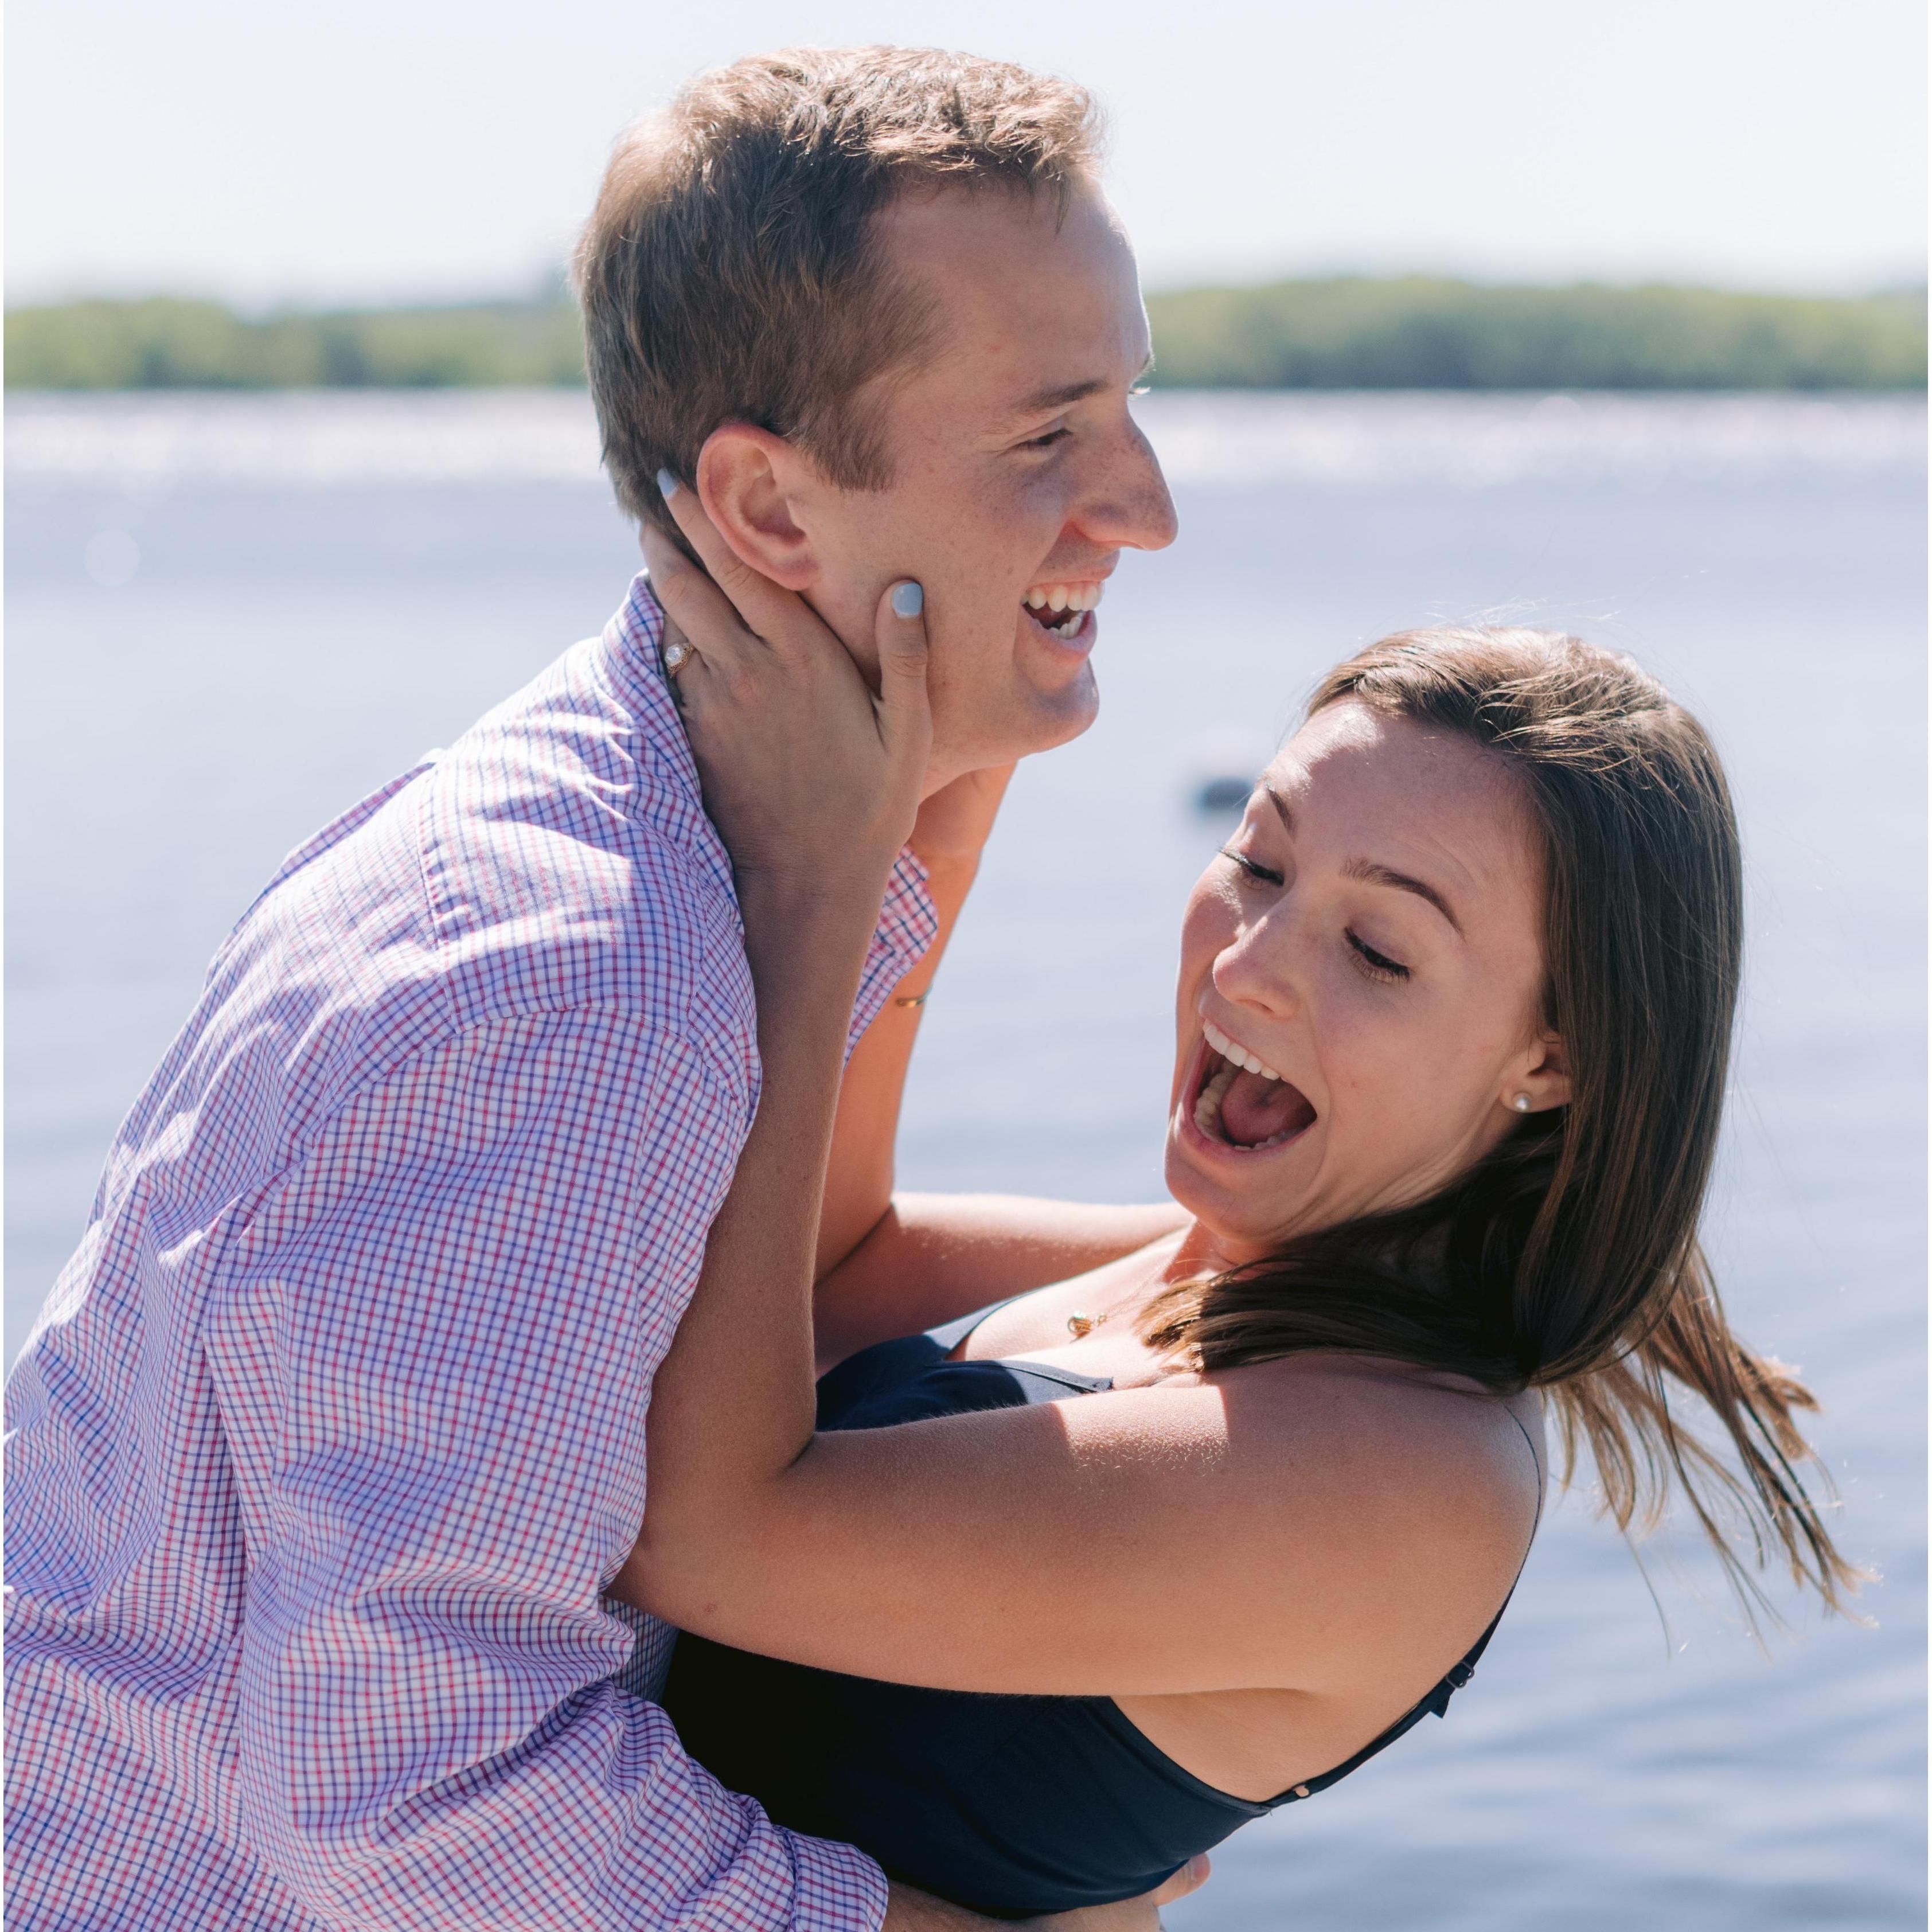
x: 1521, y: 1103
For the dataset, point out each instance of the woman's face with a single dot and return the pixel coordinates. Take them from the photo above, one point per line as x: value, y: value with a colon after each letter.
x: 1372, y: 936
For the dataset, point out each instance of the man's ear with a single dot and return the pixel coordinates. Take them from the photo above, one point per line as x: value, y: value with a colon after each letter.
x: 1542, y: 1075
x: 747, y: 480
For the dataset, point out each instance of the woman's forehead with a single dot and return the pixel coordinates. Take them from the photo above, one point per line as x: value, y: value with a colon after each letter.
x: 1351, y: 746
x: 1357, y: 776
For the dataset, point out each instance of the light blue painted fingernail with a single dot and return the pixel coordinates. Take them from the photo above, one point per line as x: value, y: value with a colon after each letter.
x: 908, y: 600
x: 668, y: 486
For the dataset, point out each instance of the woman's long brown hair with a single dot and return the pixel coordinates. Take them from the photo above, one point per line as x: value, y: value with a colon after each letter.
x: 1568, y: 1260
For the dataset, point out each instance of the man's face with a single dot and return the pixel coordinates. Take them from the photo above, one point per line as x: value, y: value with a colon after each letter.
x: 1016, y: 470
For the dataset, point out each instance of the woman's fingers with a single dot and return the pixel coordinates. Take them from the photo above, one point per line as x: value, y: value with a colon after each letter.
x: 696, y: 613
x: 904, y: 709
x: 778, y: 615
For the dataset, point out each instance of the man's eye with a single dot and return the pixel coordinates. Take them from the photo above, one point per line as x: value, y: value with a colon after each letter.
x: 1248, y: 866
x: 1047, y: 441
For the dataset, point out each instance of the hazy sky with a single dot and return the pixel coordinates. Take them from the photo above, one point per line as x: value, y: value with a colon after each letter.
x: 270, y: 149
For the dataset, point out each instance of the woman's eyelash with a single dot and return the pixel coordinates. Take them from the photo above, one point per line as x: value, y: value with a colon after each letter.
x: 1378, y: 965
x: 1248, y: 865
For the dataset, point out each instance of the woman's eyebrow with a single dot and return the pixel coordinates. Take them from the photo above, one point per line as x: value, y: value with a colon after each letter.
x: 1376, y: 875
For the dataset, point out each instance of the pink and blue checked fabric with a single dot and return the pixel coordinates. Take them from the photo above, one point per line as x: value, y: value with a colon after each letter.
x: 333, y: 1429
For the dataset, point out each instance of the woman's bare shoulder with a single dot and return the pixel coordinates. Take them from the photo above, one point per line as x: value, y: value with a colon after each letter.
x: 1382, y: 1427
x: 1414, y: 1496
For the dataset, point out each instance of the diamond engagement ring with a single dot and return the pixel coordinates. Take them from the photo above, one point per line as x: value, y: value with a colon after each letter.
x: 675, y: 657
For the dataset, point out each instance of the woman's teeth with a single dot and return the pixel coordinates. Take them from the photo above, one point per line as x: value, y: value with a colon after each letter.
x: 1207, y: 1108
x: 1239, y: 1055
x: 1236, y: 1059
x: 1075, y: 599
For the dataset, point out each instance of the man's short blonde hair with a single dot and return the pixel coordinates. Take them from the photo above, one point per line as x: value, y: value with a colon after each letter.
x: 729, y: 272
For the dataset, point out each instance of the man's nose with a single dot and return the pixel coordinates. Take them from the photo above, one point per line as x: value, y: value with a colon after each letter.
x: 1130, y: 507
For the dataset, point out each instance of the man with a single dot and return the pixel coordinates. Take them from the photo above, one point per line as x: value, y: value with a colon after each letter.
x: 333, y: 1431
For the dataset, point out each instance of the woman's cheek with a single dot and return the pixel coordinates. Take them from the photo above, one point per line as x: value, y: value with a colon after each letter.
x: 1206, y: 928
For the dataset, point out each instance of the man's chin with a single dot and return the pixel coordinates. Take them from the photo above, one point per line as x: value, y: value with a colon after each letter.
x: 1058, y: 717
x: 1030, y: 720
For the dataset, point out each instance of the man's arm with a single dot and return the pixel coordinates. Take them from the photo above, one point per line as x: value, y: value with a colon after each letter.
x: 437, y: 1338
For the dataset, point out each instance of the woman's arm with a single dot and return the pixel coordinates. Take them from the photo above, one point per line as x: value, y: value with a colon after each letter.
x: 947, y: 839
x: 1288, y: 1525
x: 930, y: 1257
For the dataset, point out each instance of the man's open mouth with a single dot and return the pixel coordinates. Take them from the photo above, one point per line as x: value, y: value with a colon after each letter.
x: 1241, y: 1101
x: 1060, y: 609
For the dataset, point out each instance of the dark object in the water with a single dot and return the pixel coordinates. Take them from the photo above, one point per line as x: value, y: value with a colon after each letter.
x: 1223, y: 794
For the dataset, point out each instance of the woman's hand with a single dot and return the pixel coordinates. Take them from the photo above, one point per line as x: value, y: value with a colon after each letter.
x: 812, y: 781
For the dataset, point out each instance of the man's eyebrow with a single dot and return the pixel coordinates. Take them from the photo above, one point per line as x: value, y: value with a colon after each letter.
x: 1064, y: 395
x: 1386, y: 875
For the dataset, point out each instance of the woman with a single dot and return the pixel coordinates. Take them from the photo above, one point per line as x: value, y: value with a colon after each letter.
x: 1228, y: 1510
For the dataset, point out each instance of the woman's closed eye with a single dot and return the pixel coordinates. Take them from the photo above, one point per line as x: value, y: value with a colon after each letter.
x: 1252, y: 867
x: 1376, y: 965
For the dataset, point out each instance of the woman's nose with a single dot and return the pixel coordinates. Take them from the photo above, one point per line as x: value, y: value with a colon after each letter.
x: 1254, y: 973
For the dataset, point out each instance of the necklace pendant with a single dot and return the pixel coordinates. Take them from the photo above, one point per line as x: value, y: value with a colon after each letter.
x: 1079, y: 1325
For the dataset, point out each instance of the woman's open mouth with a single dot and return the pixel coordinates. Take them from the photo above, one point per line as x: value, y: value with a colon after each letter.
x: 1240, y: 1101
x: 1061, y: 610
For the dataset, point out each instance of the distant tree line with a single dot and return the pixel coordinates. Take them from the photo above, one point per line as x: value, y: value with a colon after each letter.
x: 167, y: 344
x: 1346, y: 333
x: 1352, y: 333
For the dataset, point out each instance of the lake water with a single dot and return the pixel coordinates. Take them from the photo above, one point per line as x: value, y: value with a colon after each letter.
x: 229, y: 617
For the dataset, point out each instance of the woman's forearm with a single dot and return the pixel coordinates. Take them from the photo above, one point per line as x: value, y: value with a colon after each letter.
x: 930, y: 1257
x: 859, y: 1177
x: 948, y: 836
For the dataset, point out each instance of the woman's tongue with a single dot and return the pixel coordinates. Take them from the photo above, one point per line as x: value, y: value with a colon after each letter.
x: 1255, y: 1109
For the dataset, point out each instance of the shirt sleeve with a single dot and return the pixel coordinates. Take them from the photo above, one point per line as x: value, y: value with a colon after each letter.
x: 437, y: 1335
x: 908, y: 924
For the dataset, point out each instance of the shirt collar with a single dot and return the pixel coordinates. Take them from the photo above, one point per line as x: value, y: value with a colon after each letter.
x: 633, y: 648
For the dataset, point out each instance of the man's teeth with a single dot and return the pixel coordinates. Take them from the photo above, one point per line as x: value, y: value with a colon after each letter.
x: 1075, y: 599
x: 1065, y: 597
x: 1239, y: 1056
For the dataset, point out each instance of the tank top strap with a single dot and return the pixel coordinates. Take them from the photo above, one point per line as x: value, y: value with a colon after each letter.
x: 950, y: 1334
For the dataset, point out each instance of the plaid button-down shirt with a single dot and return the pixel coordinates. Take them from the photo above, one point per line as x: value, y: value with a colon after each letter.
x: 333, y: 1426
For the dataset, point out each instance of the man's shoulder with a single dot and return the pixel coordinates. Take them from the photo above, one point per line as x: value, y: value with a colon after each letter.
x: 565, y: 856
x: 554, y: 858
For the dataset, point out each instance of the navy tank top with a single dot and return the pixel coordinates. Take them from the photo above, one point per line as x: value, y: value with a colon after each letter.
x: 1011, y: 1805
